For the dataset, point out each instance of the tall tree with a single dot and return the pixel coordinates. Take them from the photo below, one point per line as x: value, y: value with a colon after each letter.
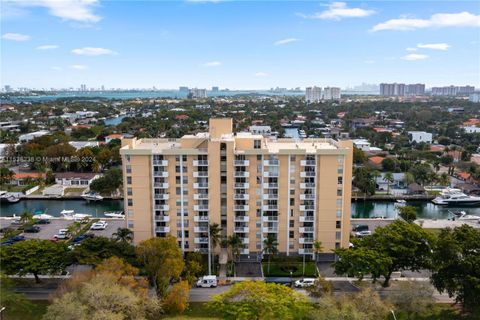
x: 214, y: 231
x: 124, y: 235
x: 6, y: 175
x: 270, y: 247
x: 317, y: 248
x: 162, y: 260
x: 408, y: 213
x: 235, y: 244
x: 456, y: 265
x: 388, y: 177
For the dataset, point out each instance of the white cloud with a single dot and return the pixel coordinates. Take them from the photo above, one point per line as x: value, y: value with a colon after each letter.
x: 414, y: 57
x: 438, y: 20
x: 285, y: 41
x: 261, y: 74
x: 91, y: 51
x: 212, y: 64
x: 339, y: 10
x: 47, y: 47
x: 15, y: 37
x: 78, y: 66
x: 411, y: 49
x: 75, y: 10
x: 434, y: 46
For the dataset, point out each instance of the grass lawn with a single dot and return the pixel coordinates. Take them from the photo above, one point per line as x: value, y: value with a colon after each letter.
x: 74, y: 190
x: 282, y: 269
x: 39, y: 309
x: 196, y: 310
x: 440, y: 311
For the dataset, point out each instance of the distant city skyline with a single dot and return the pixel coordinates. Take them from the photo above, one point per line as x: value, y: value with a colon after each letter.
x: 238, y: 45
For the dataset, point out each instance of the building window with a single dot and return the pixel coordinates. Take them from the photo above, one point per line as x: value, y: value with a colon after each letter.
x: 257, y: 144
x: 292, y: 192
x: 292, y: 158
x: 127, y: 157
x: 291, y: 223
x: 291, y: 234
x: 340, y: 180
x: 130, y: 202
x: 337, y: 245
x: 128, y: 168
x: 339, y: 192
x: 340, y: 159
x: 292, y: 201
x: 340, y: 170
x: 129, y: 180
x: 259, y: 157
x: 259, y: 245
x: 130, y: 212
x: 338, y: 224
x: 130, y: 224
x: 339, y: 213
x: 129, y: 191
x: 338, y: 235
x: 339, y: 203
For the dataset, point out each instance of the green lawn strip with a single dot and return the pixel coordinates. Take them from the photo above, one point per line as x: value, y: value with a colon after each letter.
x: 195, y: 310
x: 36, y: 313
x: 75, y: 190
x: 280, y: 269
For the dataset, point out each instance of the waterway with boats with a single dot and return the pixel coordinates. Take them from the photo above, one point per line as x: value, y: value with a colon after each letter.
x: 360, y: 209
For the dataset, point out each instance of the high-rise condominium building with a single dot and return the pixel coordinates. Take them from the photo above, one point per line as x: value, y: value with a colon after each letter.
x: 452, y: 90
x: 198, y: 93
x: 251, y: 186
x: 331, y: 93
x: 417, y: 89
x: 392, y: 89
x: 313, y: 94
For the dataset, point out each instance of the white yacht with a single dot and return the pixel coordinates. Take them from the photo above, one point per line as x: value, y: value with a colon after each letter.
x: 114, y: 214
x: 462, y: 215
x: 92, y: 196
x: 455, y: 197
x: 71, y: 215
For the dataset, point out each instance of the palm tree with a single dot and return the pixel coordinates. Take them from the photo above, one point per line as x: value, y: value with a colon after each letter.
x: 388, y: 177
x: 213, y: 241
x: 317, y: 247
x: 235, y: 244
x: 123, y: 235
x: 444, y: 179
x: 270, y: 247
x: 6, y: 175
x: 26, y: 216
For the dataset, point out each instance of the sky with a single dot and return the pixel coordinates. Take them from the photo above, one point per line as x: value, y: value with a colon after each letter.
x: 237, y: 44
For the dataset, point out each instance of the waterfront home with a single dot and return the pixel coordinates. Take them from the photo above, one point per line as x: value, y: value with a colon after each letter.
x: 76, y: 179
x: 54, y: 191
x: 471, y: 129
x: 83, y: 144
x: 22, y: 179
x: 397, y: 183
x: 415, y: 189
x: 375, y: 161
x: 32, y: 135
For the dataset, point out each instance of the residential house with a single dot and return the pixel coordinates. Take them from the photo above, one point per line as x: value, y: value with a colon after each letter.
x: 419, y: 136
x: 76, y: 179
x: 23, y: 179
x: 32, y: 135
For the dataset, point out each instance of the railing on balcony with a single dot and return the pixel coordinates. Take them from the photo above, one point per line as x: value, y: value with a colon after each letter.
x: 306, y: 229
x: 200, y: 186
x: 305, y: 174
x: 161, y: 185
x: 162, y: 163
x: 270, y: 162
x: 270, y: 174
x: 197, y: 163
x: 162, y: 218
x: 163, y: 207
x: 270, y: 196
x: 241, y: 163
x: 242, y: 229
x: 305, y: 208
x: 307, y: 163
x: 198, y: 174
x: 200, y: 207
x: 307, y: 218
x: 241, y: 196
x: 307, y: 197
x: 239, y: 185
x: 305, y: 251
x: 200, y: 218
x: 270, y: 218
x: 200, y: 196
x: 200, y: 229
x: 162, y: 174
x: 241, y: 208
x: 242, y: 219
x: 241, y: 174
x: 270, y: 229
x: 307, y: 185
x: 162, y: 229
x: 270, y: 185
x: 270, y: 207
x: 161, y: 196
x: 201, y: 240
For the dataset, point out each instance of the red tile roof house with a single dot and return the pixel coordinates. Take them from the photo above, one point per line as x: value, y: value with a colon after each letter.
x: 376, y: 161
x: 114, y: 136
x: 181, y: 117
x: 76, y: 179
x: 20, y: 178
x: 465, y: 176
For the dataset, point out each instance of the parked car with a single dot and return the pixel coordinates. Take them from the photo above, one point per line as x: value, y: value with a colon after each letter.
x: 42, y: 221
x: 100, y: 225
x: 32, y: 229
x: 82, y: 237
x: 207, y: 282
x: 13, y: 240
x: 363, y: 233
x: 306, y: 282
x: 61, y: 236
x: 62, y: 231
x: 360, y: 227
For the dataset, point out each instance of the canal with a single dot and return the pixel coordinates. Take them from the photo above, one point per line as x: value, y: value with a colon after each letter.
x: 361, y: 209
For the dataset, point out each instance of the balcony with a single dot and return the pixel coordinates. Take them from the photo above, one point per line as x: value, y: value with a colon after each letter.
x: 270, y: 174
x: 241, y: 196
x: 201, y: 240
x: 270, y: 196
x: 307, y: 185
x: 270, y: 218
x: 245, y: 240
x: 306, y: 208
x: 242, y: 219
x: 241, y: 174
x: 200, y: 229
x: 162, y: 218
x: 305, y: 251
x: 305, y: 240
x: 307, y: 174
x: 161, y: 185
x: 269, y: 207
x: 200, y: 186
x: 240, y: 185
x: 307, y: 218
x: 270, y: 185
x: 200, y: 218
x: 307, y: 197
x: 198, y: 163
x: 162, y: 174
x: 201, y: 250
x: 241, y: 163
x: 270, y: 229
x: 200, y: 174
x: 200, y: 207
x: 162, y: 163
x: 304, y: 163
x: 161, y: 196
x: 244, y: 251
x: 241, y: 208
x: 242, y: 230
x: 162, y: 229
x: 162, y: 207
x: 270, y: 162
x: 306, y: 229
x: 200, y: 196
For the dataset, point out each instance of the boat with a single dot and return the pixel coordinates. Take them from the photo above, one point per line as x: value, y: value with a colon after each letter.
x: 114, y: 214
x: 455, y: 197
x: 92, y: 196
x: 462, y: 215
x: 13, y: 199
x: 71, y: 215
x: 39, y: 214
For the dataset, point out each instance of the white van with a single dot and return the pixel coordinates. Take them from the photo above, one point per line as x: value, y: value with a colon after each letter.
x: 207, y: 282
x: 306, y: 282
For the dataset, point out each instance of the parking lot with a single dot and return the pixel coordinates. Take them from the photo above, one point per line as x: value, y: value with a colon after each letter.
x: 47, y: 231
